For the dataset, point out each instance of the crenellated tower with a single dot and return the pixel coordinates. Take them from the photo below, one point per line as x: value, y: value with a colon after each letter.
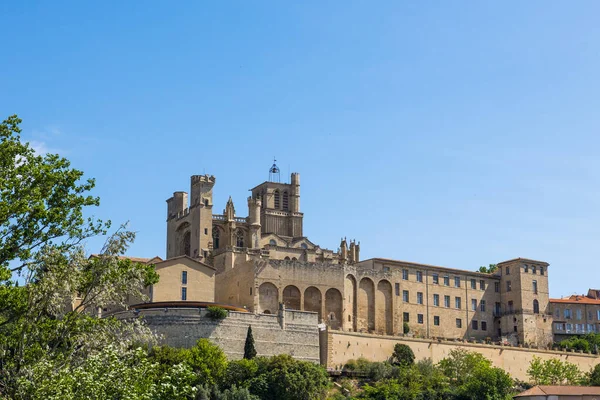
x: 189, y: 226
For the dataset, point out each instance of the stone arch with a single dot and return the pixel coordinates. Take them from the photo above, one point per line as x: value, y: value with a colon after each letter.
x: 291, y: 297
x: 276, y: 200
x: 334, y: 308
x: 183, y: 239
x: 384, y: 318
x: 313, y: 300
x: 268, y: 297
x: 366, y: 305
x: 285, y: 201
x: 240, y: 238
x: 350, y: 303
x: 216, y: 235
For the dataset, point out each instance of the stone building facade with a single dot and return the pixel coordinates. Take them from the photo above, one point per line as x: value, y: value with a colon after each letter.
x: 576, y: 315
x: 265, y: 259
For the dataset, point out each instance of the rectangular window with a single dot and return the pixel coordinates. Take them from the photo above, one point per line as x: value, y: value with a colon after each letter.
x: 447, y: 301
x: 535, y: 287
x: 533, y: 269
x: 457, y: 303
x: 579, y: 314
x: 483, y: 325
x: 526, y: 268
x: 184, y: 277
x: 497, y: 287
x: 183, y: 293
x: 419, y: 276
x: 456, y: 281
x: 511, y: 307
x: 419, y: 297
x: 482, y: 285
x: 435, y: 278
x: 405, y: 317
x: 474, y: 304
x: 497, y: 308
x: 515, y: 328
x: 436, y: 300
x: 482, y: 305
x: 405, y: 274
x: 473, y: 284
x: 458, y: 323
x: 557, y: 313
x: 397, y: 288
x: 206, y: 231
x: 474, y: 325
x: 542, y: 271
x: 420, y: 318
x: 405, y: 296
x: 508, y: 286
x: 507, y: 270
x: 250, y: 291
x: 558, y: 327
x: 568, y: 314
x: 436, y: 320
x: 446, y: 281
x: 598, y: 315
x: 590, y: 315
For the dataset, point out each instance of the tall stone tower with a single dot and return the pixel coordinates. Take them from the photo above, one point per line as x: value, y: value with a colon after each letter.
x: 524, y: 294
x: 189, y: 227
x: 280, y: 207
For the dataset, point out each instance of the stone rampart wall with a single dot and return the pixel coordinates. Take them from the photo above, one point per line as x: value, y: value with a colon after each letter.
x: 296, y: 334
x: 344, y: 346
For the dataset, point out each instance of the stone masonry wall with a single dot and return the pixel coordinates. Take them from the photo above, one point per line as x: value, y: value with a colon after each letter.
x: 182, y: 327
x: 344, y: 346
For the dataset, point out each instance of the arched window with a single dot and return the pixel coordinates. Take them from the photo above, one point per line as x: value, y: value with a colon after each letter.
x: 304, y: 246
x: 536, y: 307
x: 287, y: 259
x: 277, y: 201
x: 285, y: 201
x: 272, y: 242
x: 239, y: 238
x: 186, y: 243
x: 216, y: 237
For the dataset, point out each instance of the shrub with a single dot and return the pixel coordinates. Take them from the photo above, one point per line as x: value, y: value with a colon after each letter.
x: 249, y: 350
x: 216, y: 313
x: 405, y: 328
x: 403, y: 355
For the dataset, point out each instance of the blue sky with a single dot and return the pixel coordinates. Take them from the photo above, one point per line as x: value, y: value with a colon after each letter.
x: 448, y: 133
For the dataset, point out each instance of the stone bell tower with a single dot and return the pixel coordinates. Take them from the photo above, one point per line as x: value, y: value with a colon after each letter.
x: 189, y: 226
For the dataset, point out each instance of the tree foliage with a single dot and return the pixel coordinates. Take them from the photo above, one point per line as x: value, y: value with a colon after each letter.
x: 594, y: 378
x: 249, y: 350
x: 402, y: 355
x: 490, y: 269
x: 42, y: 201
x: 554, y: 372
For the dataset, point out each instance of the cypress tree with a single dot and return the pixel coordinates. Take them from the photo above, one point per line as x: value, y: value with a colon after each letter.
x: 249, y: 350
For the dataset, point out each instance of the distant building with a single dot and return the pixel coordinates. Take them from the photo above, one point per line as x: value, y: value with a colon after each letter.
x: 576, y: 315
x: 560, y: 393
x: 265, y: 259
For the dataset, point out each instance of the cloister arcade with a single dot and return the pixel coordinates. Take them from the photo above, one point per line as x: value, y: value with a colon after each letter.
x: 361, y: 306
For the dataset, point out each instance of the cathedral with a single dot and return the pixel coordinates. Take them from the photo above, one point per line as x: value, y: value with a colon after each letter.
x: 264, y: 262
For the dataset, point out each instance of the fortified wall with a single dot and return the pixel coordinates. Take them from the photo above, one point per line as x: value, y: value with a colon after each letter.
x: 288, y: 332
x: 340, y: 347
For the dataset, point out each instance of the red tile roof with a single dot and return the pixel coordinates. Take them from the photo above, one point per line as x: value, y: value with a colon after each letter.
x: 577, y: 299
x: 560, y: 390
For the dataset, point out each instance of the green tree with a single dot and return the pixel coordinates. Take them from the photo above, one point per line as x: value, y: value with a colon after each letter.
x: 283, y: 378
x: 208, y: 361
x: 41, y: 201
x: 554, y: 372
x: 460, y: 365
x: 594, y: 378
x: 490, y: 269
x: 239, y: 373
x: 486, y: 382
x: 249, y: 350
x: 402, y: 355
